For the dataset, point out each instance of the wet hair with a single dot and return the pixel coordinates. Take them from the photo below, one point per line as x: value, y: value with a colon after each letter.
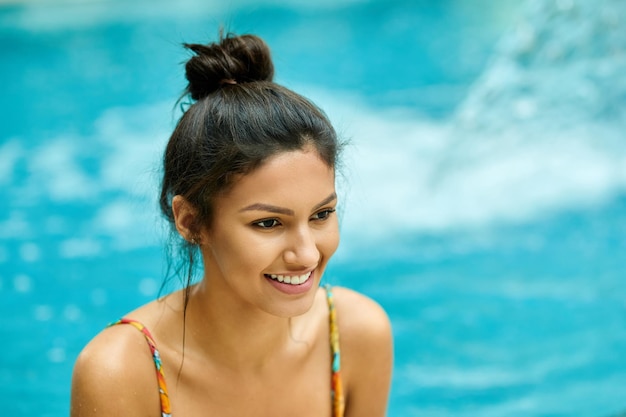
x: 237, y: 120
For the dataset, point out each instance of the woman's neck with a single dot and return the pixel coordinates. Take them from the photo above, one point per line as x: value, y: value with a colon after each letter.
x: 237, y: 335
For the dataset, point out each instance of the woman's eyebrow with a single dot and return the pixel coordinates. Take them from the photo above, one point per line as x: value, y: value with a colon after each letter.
x: 281, y: 210
x: 327, y: 200
x: 268, y: 207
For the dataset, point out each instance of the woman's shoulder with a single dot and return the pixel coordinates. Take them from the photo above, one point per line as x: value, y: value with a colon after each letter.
x: 366, y: 352
x: 360, y: 314
x: 112, y: 351
x: 114, y: 375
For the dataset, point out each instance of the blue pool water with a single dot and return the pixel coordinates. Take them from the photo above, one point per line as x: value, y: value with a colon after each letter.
x: 484, y: 190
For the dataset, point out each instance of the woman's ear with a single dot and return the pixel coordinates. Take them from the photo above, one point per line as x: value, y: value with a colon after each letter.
x: 185, y: 219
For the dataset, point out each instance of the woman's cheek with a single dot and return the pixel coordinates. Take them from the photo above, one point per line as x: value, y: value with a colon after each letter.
x: 330, y: 239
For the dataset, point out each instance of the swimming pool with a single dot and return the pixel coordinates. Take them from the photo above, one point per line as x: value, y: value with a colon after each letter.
x: 484, y: 190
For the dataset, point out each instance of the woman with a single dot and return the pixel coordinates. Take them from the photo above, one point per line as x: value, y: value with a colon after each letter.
x: 249, y: 184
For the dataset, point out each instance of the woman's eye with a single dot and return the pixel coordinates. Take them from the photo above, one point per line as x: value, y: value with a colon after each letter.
x: 323, y: 215
x: 267, y: 224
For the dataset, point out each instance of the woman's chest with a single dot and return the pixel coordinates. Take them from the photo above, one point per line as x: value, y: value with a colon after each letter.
x: 292, y: 389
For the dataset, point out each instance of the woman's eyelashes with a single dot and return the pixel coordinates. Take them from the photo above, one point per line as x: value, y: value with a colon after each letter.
x: 323, y: 214
x: 266, y: 224
x: 273, y: 223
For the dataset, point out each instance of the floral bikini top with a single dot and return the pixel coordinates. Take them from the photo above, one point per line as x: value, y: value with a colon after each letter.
x: 335, y: 383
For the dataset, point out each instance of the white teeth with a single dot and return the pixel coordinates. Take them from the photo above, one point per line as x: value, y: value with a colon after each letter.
x: 291, y: 279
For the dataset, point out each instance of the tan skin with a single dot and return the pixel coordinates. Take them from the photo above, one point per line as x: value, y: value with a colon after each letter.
x: 250, y: 349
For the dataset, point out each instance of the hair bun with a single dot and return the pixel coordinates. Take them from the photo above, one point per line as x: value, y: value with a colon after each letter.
x: 234, y: 59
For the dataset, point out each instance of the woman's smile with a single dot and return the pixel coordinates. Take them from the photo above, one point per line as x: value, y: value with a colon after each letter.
x: 292, y: 284
x: 290, y: 279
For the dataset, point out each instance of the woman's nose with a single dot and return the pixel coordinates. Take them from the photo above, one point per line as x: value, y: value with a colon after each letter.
x: 301, y: 249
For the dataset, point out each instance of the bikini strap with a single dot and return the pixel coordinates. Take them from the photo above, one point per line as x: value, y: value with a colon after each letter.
x: 335, y: 384
x: 165, y: 401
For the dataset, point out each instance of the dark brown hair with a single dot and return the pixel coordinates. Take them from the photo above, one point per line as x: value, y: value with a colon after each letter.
x: 239, y: 118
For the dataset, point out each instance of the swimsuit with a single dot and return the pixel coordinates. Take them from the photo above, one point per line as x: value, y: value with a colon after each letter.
x: 335, y: 384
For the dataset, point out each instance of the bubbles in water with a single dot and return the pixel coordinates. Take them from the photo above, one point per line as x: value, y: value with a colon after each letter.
x: 22, y: 283
x: 98, y: 297
x: 565, y: 5
x: 14, y: 226
x: 10, y: 153
x: 76, y: 248
x: 72, y: 312
x: 30, y: 252
x: 148, y: 287
x: 56, y: 355
x: 524, y: 108
x: 55, y: 225
x: 43, y: 313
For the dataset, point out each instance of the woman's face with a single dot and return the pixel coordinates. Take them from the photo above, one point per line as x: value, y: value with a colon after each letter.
x: 273, y: 233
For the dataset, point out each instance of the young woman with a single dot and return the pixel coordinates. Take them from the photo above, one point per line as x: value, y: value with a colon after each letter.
x: 249, y: 185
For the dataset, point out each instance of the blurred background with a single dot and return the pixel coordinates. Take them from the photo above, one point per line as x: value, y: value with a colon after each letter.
x: 483, y: 191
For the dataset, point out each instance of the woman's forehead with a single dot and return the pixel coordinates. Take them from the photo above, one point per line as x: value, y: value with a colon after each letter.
x: 287, y: 177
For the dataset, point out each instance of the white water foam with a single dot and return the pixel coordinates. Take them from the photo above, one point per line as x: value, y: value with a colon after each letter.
x: 405, y: 172
x: 541, y: 131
